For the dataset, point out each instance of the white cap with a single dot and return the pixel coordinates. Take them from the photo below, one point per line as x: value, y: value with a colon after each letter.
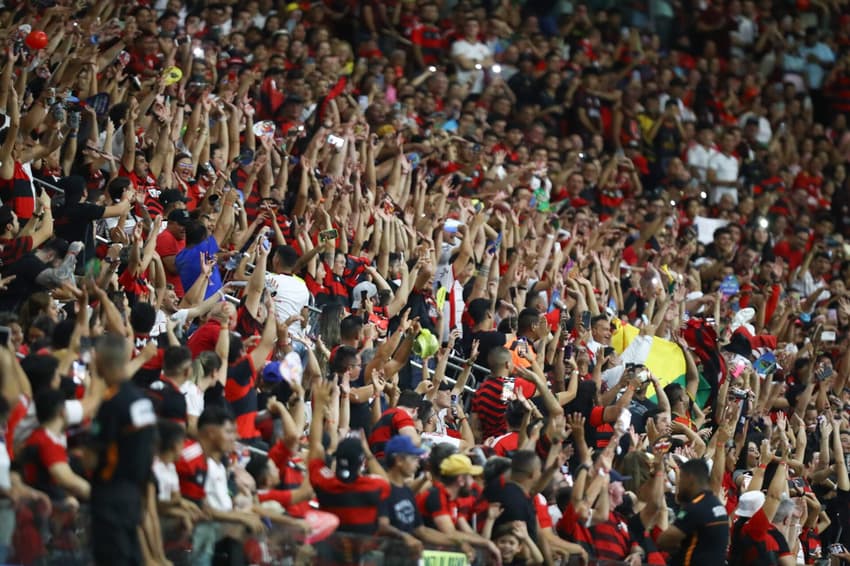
x: 367, y: 286
x: 749, y: 504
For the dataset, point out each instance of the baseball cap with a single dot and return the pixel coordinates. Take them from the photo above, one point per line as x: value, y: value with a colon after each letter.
x: 289, y: 369
x: 168, y: 196
x: 614, y: 475
x: 180, y: 216
x: 401, y: 444
x: 271, y: 372
x: 749, y: 504
x: 367, y: 286
x: 458, y: 465
x: 349, y: 459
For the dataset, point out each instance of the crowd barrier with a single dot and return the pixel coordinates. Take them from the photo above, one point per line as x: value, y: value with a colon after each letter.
x: 62, y: 537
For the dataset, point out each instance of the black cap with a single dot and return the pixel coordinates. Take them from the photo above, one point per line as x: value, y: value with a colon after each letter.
x: 169, y: 196
x: 349, y: 459
x: 739, y: 344
x: 179, y: 216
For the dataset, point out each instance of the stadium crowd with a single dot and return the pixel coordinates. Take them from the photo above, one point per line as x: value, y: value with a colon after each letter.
x: 348, y: 282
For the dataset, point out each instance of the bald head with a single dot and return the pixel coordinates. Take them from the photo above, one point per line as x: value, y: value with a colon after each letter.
x: 111, y: 357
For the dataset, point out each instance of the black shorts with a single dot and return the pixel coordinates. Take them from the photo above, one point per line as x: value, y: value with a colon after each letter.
x: 115, y: 544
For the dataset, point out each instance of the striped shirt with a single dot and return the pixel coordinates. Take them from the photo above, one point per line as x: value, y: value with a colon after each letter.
x: 612, y: 538
x: 13, y: 249
x: 358, y: 504
x: 488, y: 405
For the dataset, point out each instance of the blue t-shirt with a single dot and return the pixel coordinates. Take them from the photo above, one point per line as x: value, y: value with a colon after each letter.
x: 188, y: 263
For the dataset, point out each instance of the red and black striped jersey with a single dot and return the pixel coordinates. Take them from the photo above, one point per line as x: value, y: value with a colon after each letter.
x: 358, y: 503
x: 192, y: 471
x: 240, y: 390
x: 389, y: 425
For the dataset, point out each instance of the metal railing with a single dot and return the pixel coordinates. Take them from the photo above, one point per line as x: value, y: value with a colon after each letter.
x: 64, y: 537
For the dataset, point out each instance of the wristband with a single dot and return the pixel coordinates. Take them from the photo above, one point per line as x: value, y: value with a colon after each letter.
x: 762, y: 466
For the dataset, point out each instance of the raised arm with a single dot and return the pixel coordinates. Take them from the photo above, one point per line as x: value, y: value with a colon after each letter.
x: 269, y: 338
x: 13, y: 109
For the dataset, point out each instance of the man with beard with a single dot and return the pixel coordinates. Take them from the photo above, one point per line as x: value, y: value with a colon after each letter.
x: 701, y: 531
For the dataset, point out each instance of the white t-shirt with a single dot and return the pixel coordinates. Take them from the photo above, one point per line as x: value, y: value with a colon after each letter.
x: 5, y: 466
x: 698, y: 156
x: 218, y: 496
x: 726, y: 171
x: 476, y: 52
x: 167, y: 481
x: 194, y: 398
x: 291, y: 297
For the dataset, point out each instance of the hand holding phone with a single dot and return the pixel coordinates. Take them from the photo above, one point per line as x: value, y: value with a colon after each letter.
x: 326, y: 235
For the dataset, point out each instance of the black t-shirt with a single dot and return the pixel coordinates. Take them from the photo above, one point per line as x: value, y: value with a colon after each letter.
x: 123, y: 433
x: 706, y: 527
x: 640, y: 408
x: 74, y: 223
x: 838, y: 510
x: 360, y: 416
x: 25, y: 270
x: 517, y: 506
x: 667, y: 141
x: 402, y: 510
x: 168, y: 401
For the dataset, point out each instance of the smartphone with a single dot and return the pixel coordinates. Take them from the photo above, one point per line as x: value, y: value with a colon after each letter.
x: 336, y: 141
x: 331, y: 234
x: 837, y: 548
x: 832, y: 315
x: 363, y: 296
x: 5, y: 335
x: 522, y: 348
x: 568, y: 351
x: 585, y: 320
x: 266, y: 244
x: 823, y: 373
x: 238, y: 283
x: 624, y: 421
x: 765, y: 365
x: 737, y: 393
x: 827, y: 336
x: 508, y: 389
x: 86, y: 344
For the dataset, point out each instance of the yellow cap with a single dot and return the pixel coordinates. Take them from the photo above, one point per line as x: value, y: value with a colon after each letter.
x: 458, y: 465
